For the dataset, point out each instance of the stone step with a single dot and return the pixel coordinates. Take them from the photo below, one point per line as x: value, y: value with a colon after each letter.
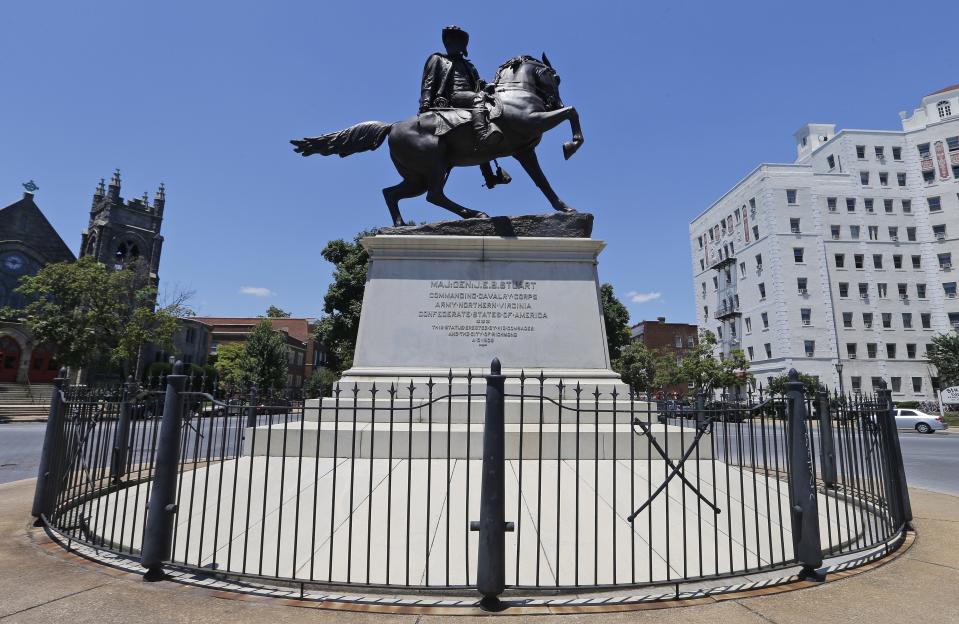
x: 420, y: 441
x: 464, y: 410
x: 23, y: 412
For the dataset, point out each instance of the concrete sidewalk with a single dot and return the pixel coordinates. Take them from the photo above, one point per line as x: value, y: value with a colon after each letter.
x: 39, y: 582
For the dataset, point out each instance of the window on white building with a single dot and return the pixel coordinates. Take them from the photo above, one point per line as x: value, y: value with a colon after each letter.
x: 769, y: 350
x: 883, y: 178
x: 887, y: 320
x: 805, y: 314
x: 926, y: 319
x: 831, y: 161
x: 907, y: 320
x: 880, y: 152
x: 861, y: 152
x: 762, y: 290
x: 765, y: 318
x: 896, y: 261
x: 798, y: 253
x: 843, y: 289
x: 850, y: 204
x: 791, y: 196
x: 810, y: 347
x: 950, y: 289
x: 851, y: 350
x: 920, y: 291
x: 897, y: 153
x: 869, y: 204
x: 935, y: 204
x: 801, y: 284
x: 893, y: 233
x: 840, y: 261
x: 911, y: 351
x: 847, y: 319
x: 906, y: 206
x: 944, y: 108
x: 864, y: 178
x: 901, y: 178
x: 794, y: 226
x: 854, y: 232
x: 831, y: 204
x: 871, y: 350
x: 867, y: 320
x: 877, y: 261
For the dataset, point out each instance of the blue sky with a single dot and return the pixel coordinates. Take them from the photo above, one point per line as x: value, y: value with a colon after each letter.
x: 678, y: 101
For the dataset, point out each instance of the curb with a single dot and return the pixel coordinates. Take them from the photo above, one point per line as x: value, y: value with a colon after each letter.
x: 128, y: 568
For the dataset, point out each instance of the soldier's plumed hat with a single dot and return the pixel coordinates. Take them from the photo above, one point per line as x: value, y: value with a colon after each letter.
x: 455, y: 33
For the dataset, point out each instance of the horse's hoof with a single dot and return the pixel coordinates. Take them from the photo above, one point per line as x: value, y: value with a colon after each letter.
x: 479, y: 215
x: 562, y: 207
x: 569, y: 148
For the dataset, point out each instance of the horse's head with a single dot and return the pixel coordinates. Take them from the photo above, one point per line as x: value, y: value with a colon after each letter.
x: 547, y: 80
x: 537, y: 76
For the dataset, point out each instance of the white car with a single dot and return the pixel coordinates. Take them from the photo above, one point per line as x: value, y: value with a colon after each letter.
x: 920, y: 421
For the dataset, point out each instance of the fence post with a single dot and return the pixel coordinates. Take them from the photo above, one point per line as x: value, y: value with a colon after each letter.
x: 158, y: 535
x: 45, y: 493
x: 700, y: 408
x: 121, y: 441
x: 900, y: 505
x: 492, y: 525
x: 827, y: 446
x: 251, y: 410
x: 803, y: 503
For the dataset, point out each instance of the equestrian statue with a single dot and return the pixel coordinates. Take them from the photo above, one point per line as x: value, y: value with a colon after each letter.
x: 463, y: 122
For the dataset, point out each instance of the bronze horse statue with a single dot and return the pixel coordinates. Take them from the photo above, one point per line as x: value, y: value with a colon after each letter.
x: 526, y: 93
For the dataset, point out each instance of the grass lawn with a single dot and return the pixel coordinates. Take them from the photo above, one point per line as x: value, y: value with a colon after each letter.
x: 952, y: 418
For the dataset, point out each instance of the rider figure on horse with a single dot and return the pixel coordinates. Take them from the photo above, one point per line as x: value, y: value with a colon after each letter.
x: 451, y: 81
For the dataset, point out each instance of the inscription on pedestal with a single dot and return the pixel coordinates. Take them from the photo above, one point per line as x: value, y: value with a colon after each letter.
x: 482, y: 311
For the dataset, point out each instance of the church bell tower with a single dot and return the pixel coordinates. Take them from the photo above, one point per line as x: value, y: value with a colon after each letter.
x: 122, y: 232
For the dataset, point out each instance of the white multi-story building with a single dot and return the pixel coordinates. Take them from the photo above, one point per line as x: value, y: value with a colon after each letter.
x: 844, y: 257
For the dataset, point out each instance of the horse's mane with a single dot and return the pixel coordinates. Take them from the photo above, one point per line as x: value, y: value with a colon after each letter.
x: 515, y: 62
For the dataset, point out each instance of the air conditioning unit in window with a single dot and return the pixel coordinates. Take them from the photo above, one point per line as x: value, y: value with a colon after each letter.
x: 803, y: 292
x: 835, y: 236
x: 946, y: 266
x: 904, y: 297
x: 863, y: 295
x: 951, y: 295
x: 851, y: 357
x: 867, y: 325
x: 894, y: 238
x: 806, y: 322
x: 940, y: 236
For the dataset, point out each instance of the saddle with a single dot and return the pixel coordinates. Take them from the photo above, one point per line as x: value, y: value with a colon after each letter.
x: 448, y: 119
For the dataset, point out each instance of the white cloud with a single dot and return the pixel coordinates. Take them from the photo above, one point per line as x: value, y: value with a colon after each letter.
x: 256, y: 291
x: 638, y: 297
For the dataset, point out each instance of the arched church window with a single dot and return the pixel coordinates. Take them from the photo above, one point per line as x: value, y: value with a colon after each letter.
x: 945, y: 109
x: 126, y: 252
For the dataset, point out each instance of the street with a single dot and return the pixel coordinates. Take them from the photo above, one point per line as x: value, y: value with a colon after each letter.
x: 932, y: 461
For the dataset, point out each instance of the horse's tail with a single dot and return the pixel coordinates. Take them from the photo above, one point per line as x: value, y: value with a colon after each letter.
x: 362, y: 137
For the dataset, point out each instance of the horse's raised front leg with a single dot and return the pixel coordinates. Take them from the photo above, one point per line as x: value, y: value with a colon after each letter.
x: 530, y: 163
x: 548, y: 120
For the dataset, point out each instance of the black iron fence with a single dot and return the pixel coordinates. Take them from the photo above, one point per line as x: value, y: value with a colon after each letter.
x: 490, y: 482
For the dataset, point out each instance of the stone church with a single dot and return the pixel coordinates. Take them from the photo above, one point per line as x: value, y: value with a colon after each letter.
x: 118, y: 232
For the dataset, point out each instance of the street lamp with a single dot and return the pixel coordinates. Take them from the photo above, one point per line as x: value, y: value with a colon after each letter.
x: 842, y: 392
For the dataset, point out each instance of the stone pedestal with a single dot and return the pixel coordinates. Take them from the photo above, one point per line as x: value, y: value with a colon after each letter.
x: 436, y: 310
x: 435, y: 303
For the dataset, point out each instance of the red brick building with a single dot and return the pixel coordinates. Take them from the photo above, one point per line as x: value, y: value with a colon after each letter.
x: 303, y: 357
x: 673, y: 338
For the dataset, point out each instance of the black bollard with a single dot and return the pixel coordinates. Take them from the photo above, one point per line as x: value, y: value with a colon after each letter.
x: 121, y: 441
x: 899, y: 503
x: 492, y: 525
x: 803, y: 501
x: 827, y: 446
x: 48, y: 481
x: 158, y: 535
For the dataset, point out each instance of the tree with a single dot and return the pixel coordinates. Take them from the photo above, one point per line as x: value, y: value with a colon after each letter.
x: 231, y: 364
x: 95, y: 316
x: 943, y: 353
x: 265, y: 362
x: 319, y: 383
x: 777, y: 385
x: 338, y: 329
x: 708, y: 373
x: 616, y: 320
x: 275, y: 312
x: 645, y: 369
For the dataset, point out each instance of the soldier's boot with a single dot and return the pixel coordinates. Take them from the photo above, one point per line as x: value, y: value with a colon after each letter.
x: 500, y: 177
x: 486, y: 135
